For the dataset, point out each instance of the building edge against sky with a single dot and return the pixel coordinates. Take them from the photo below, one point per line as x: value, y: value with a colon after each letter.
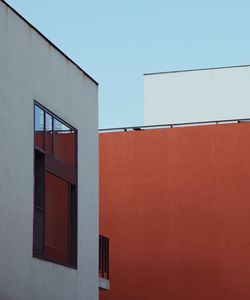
x: 32, y: 69
x: 197, y: 95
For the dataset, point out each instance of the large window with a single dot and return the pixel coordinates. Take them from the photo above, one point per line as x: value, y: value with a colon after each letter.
x: 55, y: 196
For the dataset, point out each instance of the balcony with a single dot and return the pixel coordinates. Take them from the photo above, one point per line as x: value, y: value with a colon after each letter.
x: 103, y: 263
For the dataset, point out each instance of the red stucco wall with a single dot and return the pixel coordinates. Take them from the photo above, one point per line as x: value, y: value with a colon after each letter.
x: 175, y: 204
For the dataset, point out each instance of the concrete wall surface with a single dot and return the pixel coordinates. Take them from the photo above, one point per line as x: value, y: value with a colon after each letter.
x: 175, y: 205
x: 32, y: 69
x: 199, y: 95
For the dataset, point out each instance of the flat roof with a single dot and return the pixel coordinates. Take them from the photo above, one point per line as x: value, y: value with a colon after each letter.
x: 194, y: 70
x: 48, y: 41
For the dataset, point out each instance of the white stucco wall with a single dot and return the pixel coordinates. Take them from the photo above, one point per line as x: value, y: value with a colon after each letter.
x: 199, y: 95
x: 31, y: 69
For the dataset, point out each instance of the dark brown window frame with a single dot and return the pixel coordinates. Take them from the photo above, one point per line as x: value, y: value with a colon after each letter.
x: 58, y: 168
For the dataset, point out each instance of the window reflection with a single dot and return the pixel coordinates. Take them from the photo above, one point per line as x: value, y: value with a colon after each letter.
x: 64, y: 143
x: 39, y: 127
x: 49, y: 134
x: 55, y: 137
x: 55, y: 197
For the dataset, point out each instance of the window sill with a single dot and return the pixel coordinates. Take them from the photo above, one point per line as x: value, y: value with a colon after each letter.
x: 54, y: 261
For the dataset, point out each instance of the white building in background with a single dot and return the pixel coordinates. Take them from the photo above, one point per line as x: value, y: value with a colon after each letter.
x: 197, y: 95
x: 48, y: 177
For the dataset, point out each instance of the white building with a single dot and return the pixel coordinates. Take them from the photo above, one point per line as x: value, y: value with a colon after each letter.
x: 38, y: 84
x: 197, y: 95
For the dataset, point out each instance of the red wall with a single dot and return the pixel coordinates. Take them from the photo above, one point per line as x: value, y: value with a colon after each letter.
x: 175, y: 204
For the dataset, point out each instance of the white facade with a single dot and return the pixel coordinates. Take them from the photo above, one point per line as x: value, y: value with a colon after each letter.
x: 33, y: 69
x: 198, y: 95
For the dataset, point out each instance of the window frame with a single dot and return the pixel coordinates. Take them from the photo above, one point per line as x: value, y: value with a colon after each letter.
x: 73, y: 184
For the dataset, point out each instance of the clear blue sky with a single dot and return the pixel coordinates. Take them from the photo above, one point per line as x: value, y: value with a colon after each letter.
x: 116, y: 42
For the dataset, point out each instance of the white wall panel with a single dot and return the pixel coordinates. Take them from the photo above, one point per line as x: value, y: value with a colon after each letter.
x: 199, y: 95
x: 31, y: 69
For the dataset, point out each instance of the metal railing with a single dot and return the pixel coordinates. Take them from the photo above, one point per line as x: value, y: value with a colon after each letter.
x: 103, y: 257
x: 148, y: 127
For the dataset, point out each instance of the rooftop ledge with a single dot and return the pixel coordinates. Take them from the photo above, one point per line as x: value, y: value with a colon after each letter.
x: 174, y: 125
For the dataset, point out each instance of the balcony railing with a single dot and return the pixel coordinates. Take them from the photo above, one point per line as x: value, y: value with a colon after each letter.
x: 103, y: 257
x: 173, y: 125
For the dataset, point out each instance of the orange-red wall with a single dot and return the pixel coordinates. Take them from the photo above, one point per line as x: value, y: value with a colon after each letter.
x: 175, y: 204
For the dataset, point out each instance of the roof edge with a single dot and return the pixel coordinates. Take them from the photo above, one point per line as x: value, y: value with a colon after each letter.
x: 48, y: 41
x: 175, y: 125
x: 194, y: 70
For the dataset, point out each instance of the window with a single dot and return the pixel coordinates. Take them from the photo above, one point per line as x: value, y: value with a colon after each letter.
x: 55, y: 194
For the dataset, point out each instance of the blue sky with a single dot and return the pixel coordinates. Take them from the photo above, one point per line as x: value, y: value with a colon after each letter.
x: 116, y: 42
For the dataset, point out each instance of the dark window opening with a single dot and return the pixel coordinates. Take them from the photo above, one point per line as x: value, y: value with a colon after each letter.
x: 55, y: 193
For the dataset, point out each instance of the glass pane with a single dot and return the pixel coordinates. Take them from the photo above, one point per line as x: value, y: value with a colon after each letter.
x: 49, y: 135
x: 38, y: 230
x: 39, y: 127
x: 39, y: 178
x: 56, y: 218
x: 64, y: 143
